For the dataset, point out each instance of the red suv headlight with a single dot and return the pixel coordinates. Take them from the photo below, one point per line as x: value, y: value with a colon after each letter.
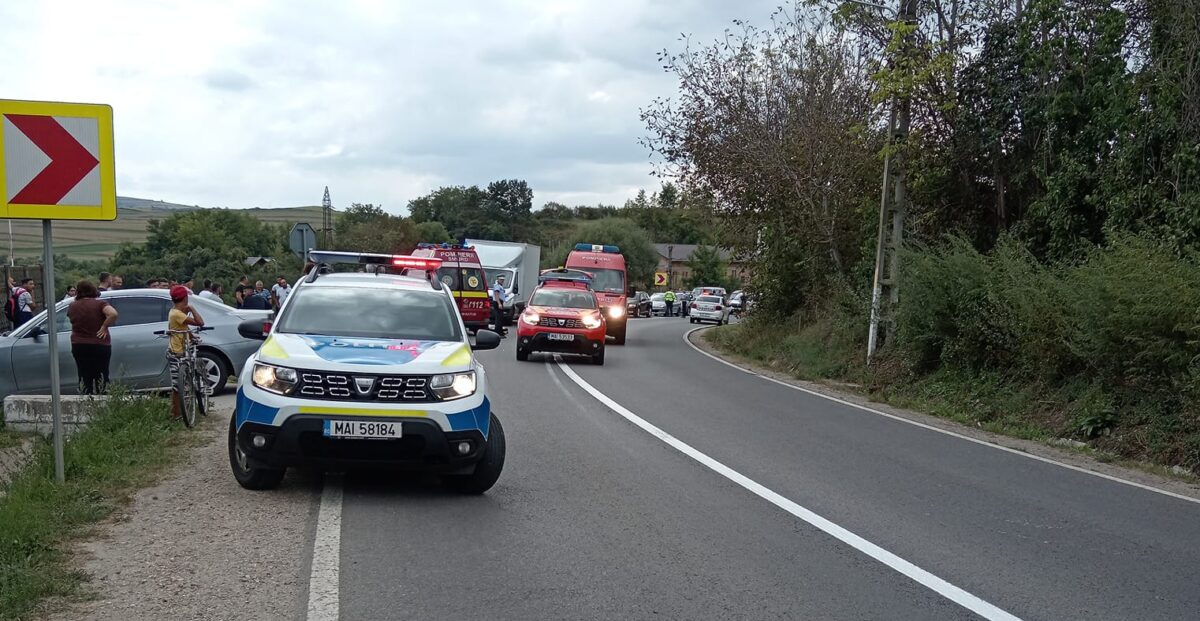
x: 592, y: 320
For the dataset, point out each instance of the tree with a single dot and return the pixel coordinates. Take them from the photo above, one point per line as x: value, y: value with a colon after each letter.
x: 433, y: 233
x: 706, y: 267
x: 368, y: 228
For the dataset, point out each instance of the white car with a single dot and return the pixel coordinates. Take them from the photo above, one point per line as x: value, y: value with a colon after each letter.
x: 709, y: 308
x: 367, y: 369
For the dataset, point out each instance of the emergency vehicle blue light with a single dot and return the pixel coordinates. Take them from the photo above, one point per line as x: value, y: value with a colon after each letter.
x: 598, y: 248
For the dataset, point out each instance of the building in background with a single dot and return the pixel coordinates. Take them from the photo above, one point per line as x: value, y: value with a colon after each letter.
x: 674, y: 259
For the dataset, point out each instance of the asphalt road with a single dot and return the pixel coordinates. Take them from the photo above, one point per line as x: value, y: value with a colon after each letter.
x: 597, y: 518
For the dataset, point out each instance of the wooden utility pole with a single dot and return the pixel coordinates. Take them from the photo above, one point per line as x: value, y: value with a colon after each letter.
x: 893, y: 206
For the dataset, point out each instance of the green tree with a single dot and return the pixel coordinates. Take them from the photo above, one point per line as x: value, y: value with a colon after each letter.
x: 433, y: 233
x: 368, y: 228
x: 707, y: 268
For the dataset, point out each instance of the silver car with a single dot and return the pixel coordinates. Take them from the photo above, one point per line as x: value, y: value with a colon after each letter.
x: 709, y: 308
x: 138, y: 356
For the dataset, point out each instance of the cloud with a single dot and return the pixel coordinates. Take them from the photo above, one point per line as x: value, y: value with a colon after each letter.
x: 246, y: 103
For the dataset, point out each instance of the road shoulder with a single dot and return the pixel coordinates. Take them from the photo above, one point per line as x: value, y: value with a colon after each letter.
x: 198, y: 546
x: 1061, y: 455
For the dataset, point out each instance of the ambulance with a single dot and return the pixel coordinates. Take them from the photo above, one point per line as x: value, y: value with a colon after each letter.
x: 462, y: 272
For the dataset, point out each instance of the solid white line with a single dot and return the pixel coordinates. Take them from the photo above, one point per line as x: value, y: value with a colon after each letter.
x: 327, y: 546
x: 922, y: 577
x: 1107, y: 477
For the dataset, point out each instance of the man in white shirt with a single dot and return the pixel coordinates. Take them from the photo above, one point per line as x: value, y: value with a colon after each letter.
x: 280, y: 291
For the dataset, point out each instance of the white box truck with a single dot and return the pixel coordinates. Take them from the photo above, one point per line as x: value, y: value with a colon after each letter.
x: 518, y: 263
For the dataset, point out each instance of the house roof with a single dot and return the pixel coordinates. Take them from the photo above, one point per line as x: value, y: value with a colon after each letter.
x: 256, y: 260
x: 683, y: 252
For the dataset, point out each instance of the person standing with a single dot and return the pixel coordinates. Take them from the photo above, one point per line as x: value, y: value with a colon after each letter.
x: 71, y: 291
x: 91, y: 344
x: 187, y: 283
x: 498, y: 305
x: 181, y: 316
x: 279, y: 292
x: 105, y: 282
x: 669, y: 298
x: 213, y: 292
x: 25, y: 305
x: 241, y: 290
x: 117, y: 282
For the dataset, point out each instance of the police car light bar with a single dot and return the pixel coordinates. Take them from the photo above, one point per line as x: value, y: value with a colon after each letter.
x: 598, y: 248
x: 417, y: 263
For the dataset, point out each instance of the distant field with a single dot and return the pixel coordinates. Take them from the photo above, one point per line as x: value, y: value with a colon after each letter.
x: 99, y: 240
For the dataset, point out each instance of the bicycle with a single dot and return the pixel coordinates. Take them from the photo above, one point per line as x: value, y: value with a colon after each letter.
x: 191, y: 382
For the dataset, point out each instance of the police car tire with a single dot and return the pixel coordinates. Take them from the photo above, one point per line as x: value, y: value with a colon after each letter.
x: 252, y: 477
x: 487, y: 471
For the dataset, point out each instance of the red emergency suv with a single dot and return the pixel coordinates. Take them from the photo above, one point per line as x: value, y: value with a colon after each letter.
x: 463, y: 273
x: 563, y: 316
x: 607, y: 267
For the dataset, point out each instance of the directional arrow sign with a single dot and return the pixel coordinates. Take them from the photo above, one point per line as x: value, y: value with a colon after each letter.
x: 56, y: 161
x: 660, y: 279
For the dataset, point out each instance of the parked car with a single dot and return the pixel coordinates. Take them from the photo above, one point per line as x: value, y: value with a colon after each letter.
x: 683, y: 300
x: 138, y: 356
x: 709, y: 308
x: 639, y: 305
x: 736, y: 301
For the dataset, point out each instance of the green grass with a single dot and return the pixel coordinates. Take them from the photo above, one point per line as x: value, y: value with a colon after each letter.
x: 126, y: 446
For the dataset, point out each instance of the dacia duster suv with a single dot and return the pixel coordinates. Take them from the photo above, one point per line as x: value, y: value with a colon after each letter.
x: 367, y: 369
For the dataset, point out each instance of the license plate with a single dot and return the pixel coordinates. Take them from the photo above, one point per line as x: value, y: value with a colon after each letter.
x: 554, y: 336
x: 362, y: 429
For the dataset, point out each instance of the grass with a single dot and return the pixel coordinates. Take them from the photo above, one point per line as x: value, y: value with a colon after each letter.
x: 819, y: 351
x: 127, y: 446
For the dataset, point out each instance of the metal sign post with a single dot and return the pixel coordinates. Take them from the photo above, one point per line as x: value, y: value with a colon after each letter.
x: 52, y: 335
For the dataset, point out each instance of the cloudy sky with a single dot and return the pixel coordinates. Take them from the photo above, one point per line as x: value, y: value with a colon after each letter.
x: 245, y: 103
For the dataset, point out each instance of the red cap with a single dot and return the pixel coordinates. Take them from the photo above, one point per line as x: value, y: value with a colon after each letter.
x: 179, y: 292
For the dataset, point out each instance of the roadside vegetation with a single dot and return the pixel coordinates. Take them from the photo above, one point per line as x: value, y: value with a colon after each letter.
x: 126, y: 446
x: 1048, y: 280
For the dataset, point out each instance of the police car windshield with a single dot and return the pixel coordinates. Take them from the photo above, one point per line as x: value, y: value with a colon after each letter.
x: 370, y: 313
x: 607, y: 280
x: 563, y: 298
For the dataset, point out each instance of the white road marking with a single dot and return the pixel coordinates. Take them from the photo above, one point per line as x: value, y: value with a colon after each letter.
x: 922, y: 577
x: 327, y: 547
x: 1108, y: 477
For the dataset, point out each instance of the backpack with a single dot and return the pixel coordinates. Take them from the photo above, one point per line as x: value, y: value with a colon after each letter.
x: 13, y: 304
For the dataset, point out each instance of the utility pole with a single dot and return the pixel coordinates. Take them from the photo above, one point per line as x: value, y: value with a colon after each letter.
x: 326, y: 221
x: 893, y: 207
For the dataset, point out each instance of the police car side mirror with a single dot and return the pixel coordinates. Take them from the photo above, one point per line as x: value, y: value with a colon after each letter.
x: 254, y: 329
x: 485, y: 339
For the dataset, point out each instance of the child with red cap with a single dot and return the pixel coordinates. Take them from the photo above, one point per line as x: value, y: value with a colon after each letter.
x: 181, y: 316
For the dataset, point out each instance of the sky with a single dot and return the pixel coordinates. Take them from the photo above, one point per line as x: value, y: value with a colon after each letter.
x: 254, y: 103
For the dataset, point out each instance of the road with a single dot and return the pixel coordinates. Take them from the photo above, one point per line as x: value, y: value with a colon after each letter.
x: 830, y: 512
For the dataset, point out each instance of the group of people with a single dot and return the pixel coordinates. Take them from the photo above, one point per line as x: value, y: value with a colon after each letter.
x: 258, y: 297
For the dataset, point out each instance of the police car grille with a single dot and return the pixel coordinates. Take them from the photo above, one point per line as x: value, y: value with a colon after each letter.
x: 551, y: 322
x: 364, y: 387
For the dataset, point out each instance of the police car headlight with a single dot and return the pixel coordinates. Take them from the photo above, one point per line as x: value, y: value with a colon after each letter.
x: 279, y: 380
x: 592, y: 321
x: 450, y: 386
x: 616, y: 312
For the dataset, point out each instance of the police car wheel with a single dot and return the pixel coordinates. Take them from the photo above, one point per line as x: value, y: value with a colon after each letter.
x: 487, y: 471
x: 247, y: 474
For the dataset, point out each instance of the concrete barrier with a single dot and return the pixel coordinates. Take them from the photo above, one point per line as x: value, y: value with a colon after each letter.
x: 32, y: 413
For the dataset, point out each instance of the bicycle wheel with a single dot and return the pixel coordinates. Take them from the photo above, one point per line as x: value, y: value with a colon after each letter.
x: 200, y: 386
x: 187, y: 393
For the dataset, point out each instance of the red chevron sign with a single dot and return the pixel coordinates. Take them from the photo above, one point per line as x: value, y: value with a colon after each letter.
x: 56, y: 161
x: 69, y: 163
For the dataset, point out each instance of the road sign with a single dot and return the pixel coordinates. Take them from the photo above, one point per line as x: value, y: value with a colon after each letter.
x: 302, y: 238
x: 56, y: 161
x: 660, y: 279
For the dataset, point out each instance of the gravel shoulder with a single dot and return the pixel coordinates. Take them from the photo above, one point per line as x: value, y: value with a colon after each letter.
x: 198, y: 546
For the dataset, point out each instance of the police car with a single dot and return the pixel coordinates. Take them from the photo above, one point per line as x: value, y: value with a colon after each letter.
x: 372, y: 368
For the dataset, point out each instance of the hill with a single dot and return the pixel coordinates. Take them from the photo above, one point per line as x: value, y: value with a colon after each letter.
x: 99, y: 240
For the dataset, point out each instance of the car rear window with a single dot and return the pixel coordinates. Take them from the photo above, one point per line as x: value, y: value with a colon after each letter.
x: 370, y: 313
x: 462, y: 278
x: 563, y: 298
x: 712, y: 299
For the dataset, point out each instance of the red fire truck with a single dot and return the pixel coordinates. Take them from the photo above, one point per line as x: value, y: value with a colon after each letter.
x: 607, y: 267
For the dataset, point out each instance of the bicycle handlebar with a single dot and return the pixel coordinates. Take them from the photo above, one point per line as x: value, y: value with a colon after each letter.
x: 185, y: 331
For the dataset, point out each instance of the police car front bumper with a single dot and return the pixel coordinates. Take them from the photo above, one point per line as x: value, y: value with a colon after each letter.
x: 300, y: 441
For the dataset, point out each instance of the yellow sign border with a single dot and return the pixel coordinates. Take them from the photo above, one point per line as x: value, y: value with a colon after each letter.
x: 107, y: 210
